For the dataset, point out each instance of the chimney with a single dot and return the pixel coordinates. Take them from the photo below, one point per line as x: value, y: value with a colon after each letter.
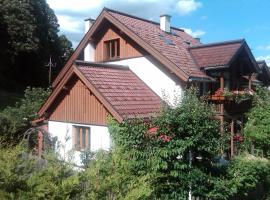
x: 165, y: 23
x: 89, y: 50
x: 88, y: 23
x: 198, y: 39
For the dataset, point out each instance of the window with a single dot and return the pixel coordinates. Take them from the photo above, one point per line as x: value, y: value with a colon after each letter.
x: 112, y: 49
x: 81, y: 138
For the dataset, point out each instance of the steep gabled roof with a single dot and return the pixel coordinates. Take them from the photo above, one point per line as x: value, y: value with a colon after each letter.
x: 169, y: 49
x: 180, y: 53
x: 173, y: 46
x: 262, y: 64
x: 215, y: 54
x: 264, y: 74
x: 221, y: 54
x: 127, y: 94
x: 122, y: 93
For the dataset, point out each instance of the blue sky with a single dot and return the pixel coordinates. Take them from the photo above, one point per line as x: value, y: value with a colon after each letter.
x: 211, y: 20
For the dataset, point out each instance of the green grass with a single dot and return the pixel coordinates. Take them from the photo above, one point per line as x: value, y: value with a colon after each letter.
x: 8, y: 98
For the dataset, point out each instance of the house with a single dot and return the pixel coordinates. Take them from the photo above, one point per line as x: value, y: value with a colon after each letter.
x: 123, y: 66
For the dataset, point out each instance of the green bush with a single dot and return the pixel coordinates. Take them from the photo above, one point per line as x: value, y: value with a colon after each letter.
x: 14, y: 121
x: 244, y: 174
x: 257, y: 128
x: 24, y: 176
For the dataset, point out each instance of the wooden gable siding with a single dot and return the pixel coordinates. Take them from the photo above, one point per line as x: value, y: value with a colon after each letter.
x: 128, y: 48
x: 79, y: 105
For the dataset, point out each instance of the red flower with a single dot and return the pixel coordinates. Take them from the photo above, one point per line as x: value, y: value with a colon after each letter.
x: 165, y: 138
x: 152, y: 130
x: 238, y: 138
x: 219, y: 92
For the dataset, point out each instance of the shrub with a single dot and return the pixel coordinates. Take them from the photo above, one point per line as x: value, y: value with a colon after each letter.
x: 14, y: 121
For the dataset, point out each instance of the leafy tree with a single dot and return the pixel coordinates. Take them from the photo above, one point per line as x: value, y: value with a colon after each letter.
x: 29, y: 36
x: 14, y: 121
x: 244, y: 174
x: 177, y: 152
x: 257, y: 128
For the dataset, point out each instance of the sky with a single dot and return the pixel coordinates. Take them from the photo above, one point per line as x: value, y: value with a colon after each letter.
x: 211, y: 20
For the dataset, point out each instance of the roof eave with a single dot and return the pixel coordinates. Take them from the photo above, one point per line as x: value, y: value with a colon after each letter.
x: 216, y: 67
x: 200, y: 79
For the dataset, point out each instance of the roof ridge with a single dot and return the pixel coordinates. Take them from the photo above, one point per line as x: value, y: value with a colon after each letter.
x: 100, y: 64
x: 139, y: 18
x: 218, y: 43
x: 260, y: 61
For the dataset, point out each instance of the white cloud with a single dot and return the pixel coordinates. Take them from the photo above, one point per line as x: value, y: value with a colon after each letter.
x: 266, y: 58
x: 195, y: 34
x: 185, y: 7
x: 69, y: 24
x: 71, y: 13
x: 74, y: 4
x: 264, y: 47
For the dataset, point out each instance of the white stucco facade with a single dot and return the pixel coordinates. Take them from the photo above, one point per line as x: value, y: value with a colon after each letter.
x: 156, y: 79
x: 99, y: 138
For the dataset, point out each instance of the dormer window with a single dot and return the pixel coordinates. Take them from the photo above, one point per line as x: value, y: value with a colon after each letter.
x: 112, y: 49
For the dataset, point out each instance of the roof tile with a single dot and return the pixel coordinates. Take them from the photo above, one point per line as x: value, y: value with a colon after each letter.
x: 219, y: 54
x: 173, y: 46
x: 129, y: 95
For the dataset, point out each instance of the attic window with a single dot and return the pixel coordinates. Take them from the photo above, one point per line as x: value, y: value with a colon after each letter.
x: 175, y: 34
x: 112, y: 49
x: 166, y: 40
x: 188, y: 43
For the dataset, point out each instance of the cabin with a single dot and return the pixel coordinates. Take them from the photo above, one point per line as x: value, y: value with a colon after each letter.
x: 125, y: 66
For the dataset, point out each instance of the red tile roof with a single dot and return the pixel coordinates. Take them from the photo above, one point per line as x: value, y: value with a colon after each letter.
x: 127, y: 94
x: 174, y: 46
x: 216, y: 54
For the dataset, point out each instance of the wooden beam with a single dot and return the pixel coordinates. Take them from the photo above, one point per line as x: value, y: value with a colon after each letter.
x: 40, y: 142
x: 249, y: 82
x: 232, y: 135
x: 222, y: 82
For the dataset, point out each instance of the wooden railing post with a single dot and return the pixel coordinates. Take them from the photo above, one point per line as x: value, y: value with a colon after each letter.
x: 222, y: 84
x: 40, y: 142
x: 222, y: 106
x: 249, y: 82
x: 232, y: 135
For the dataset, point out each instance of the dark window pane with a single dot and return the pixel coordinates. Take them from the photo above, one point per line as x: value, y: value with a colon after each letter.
x: 89, y: 138
x: 113, y: 49
x: 118, y: 47
x: 78, y: 138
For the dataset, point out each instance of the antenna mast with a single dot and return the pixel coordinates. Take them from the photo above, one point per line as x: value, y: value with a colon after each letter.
x: 50, y: 65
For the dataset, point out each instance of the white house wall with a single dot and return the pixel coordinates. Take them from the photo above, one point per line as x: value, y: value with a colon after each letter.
x: 99, y: 138
x: 157, y: 80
